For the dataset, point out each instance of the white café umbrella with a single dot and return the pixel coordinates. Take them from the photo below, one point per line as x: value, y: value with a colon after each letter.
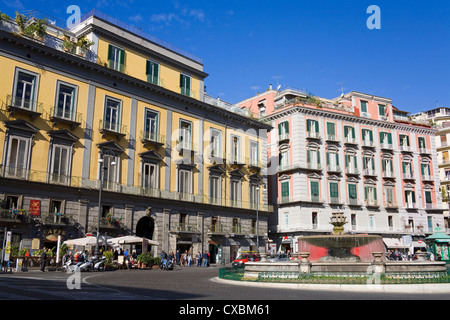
x: 133, y: 240
x: 88, y: 241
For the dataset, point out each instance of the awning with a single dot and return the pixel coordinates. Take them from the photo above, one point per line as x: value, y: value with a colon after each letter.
x: 438, y: 237
x: 394, y: 243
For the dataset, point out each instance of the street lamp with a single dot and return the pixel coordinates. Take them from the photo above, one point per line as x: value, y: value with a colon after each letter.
x: 101, y: 177
x: 257, y: 217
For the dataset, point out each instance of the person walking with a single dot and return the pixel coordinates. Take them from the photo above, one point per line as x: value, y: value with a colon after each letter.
x: 199, y: 259
x: 205, y: 259
x: 43, y: 259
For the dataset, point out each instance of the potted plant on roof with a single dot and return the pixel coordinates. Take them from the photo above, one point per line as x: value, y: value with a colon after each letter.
x: 4, y: 17
x: 68, y: 44
x: 84, y: 44
x: 21, y: 21
x: 40, y: 28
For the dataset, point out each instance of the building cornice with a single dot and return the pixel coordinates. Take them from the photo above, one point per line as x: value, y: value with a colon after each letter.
x: 351, y: 118
x: 80, y: 63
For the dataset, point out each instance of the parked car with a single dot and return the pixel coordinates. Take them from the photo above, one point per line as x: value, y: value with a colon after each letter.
x: 243, y: 258
x: 279, y: 257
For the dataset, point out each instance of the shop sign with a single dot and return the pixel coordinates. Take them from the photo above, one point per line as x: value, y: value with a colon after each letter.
x: 35, y: 208
x: 52, y: 234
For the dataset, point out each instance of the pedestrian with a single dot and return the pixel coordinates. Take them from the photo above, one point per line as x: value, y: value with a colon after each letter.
x: 205, y: 259
x: 189, y: 259
x: 178, y: 257
x: 43, y: 259
x: 199, y: 259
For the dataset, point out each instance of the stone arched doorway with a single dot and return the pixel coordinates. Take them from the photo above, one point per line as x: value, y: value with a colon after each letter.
x: 145, y: 228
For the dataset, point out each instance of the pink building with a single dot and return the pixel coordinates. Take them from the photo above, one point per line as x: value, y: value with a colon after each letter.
x: 357, y: 154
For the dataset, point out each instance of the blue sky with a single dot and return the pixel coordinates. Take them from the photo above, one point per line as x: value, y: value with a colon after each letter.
x: 311, y: 45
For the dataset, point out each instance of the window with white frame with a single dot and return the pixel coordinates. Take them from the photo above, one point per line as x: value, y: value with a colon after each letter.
x: 111, y: 118
x: 236, y: 149
x: 254, y: 154
x: 235, y: 192
x: 185, y: 135
x: 150, y: 175
x: 185, y: 85
x: 185, y: 181
x: 110, y: 173
x: 216, y: 143
x: 116, y: 58
x: 25, y: 90
x: 151, y: 125
x: 17, y: 157
x: 60, y: 164
x: 152, y: 72
x: 65, y: 101
x: 215, y: 189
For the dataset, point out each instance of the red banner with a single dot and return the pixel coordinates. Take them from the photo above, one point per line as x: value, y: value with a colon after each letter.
x: 35, y: 208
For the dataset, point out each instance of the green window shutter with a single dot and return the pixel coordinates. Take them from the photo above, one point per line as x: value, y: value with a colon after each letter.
x: 328, y: 158
x: 308, y: 125
x: 122, y: 60
x: 413, y: 196
x: 392, y: 166
x: 279, y: 129
x: 407, y: 141
x: 422, y: 168
x: 110, y: 49
x: 381, y: 110
x: 148, y: 68
x: 366, y: 191
x: 389, y: 138
x: 337, y: 159
x: 352, y: 191
x: 308, y: 156
x: 334, y: 191
x: 428, y: 197
x: 370, y: 136
x: 381, y: 137
x: 353, y: 133
x: 286, y: 127
x: 317, y: 126
x: 404, y: 167
x: 314, y: 188
x: 422, y: 142
x: 374, y: 190
x: 383, y: 165
x: 285, y: 189
x: 318, y: 157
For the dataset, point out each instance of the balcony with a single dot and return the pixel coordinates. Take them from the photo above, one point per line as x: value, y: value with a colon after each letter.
x: 424, y: 151
x: 352, y: 202
x: 388, y: 175
x: 186, y: 148
x: 235, y: 159
x: 69, y: 117
x: 370, y: 173
x: 350, y: 140
x: 313, y: 135
x: 284, y: 137
x: 112, y: 128
x: 32, y: 108
x: 391, y: 205
x: 287, y: 167
x: 334, y: 169
x: 332, y: 138
x: 217, y: 229
x: 151, y: 138
x: 406, y: 149
x: 334, y: 201
x: 185, y: 228
x: 314, y: 166
x: 408, y: 176
x: 372, y: 203
x: 351, y: 171
x: 428, y: 178
x: 386, y: 146
x: 368, y: 144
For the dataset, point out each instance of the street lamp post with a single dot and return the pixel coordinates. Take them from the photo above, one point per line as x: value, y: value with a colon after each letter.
x: 101, y: 177
x: 257, y: 220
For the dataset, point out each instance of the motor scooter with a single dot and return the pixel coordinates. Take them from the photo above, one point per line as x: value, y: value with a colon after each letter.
x: 167, y: 264
x: 69, y: 266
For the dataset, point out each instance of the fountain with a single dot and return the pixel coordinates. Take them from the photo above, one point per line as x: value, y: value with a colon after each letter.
x: 340, y: 253
x: 340, y: 247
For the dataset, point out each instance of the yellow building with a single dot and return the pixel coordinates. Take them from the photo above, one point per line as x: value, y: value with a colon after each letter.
x: 127, y: 116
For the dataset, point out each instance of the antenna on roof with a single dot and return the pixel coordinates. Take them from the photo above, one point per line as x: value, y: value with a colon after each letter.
x: 342, y: 88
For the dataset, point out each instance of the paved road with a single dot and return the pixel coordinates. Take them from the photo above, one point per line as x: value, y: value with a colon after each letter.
x: 195, y: 284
